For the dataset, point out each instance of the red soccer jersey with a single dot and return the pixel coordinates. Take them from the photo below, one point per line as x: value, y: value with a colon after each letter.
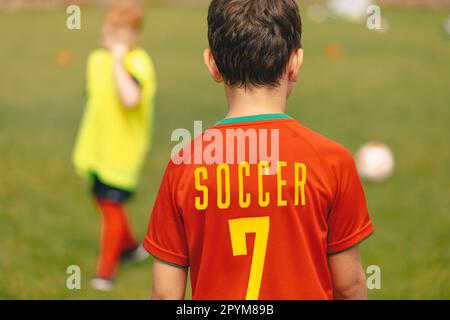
x: 250, y: 228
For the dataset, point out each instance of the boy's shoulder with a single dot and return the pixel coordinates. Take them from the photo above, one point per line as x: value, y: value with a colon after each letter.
x: 331, y: 153
x: 98, y: 59
x: 98, y: 54
x: 321, y: 143
x: 137, y: 54
x: 138, y: 57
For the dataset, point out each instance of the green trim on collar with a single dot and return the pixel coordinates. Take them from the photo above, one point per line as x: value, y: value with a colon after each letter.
x: 258, y: 117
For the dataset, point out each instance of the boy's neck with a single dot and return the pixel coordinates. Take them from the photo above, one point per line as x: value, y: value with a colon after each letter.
x: 247, y: 102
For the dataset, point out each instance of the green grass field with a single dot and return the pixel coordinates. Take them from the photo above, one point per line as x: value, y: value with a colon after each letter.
x: 393, y: 87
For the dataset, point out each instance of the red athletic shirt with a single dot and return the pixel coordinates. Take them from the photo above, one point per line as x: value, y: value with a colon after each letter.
x: 250, y: 227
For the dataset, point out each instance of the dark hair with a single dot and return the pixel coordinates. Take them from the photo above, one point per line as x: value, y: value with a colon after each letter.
x: 252, y: 40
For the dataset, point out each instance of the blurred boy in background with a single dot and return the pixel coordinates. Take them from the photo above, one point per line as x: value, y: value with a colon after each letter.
x: 114, y: 136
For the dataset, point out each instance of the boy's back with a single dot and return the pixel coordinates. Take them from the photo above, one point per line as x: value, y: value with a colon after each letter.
x: 245, y: 234
x: 258, y: 205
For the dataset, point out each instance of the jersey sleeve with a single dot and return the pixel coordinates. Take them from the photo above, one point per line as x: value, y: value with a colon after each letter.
x: 141, y: 70
x: 166, y: 237
x: 348, y: 220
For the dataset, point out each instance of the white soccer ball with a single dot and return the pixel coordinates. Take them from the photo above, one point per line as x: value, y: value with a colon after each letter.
x: 375, y: 162
x: 446, y: 26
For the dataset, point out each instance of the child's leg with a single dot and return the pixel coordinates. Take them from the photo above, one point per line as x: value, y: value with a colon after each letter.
x: 116, y: 237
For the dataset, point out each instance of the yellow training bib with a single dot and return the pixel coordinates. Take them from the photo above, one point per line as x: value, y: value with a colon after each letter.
x: 113, y: 140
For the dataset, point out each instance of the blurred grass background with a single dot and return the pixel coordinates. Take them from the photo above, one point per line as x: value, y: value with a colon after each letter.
x: 393, y: 87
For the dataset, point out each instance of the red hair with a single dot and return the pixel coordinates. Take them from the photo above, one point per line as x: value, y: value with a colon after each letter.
x: 125, y: 14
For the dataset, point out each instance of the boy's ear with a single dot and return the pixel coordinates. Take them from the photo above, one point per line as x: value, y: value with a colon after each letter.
x: 295, y: 64
x: 211, y: 65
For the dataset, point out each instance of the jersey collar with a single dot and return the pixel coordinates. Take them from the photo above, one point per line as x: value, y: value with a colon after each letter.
x: 258, y: 117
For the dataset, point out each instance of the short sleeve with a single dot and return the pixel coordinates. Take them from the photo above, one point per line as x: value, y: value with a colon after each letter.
x: 166, y: 238
x: 348, y: 221
x: 141, y: 69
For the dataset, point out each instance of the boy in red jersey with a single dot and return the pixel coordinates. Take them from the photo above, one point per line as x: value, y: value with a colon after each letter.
x: 248, y: 223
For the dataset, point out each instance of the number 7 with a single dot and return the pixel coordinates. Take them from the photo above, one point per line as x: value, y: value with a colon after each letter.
x: 238, y: 231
